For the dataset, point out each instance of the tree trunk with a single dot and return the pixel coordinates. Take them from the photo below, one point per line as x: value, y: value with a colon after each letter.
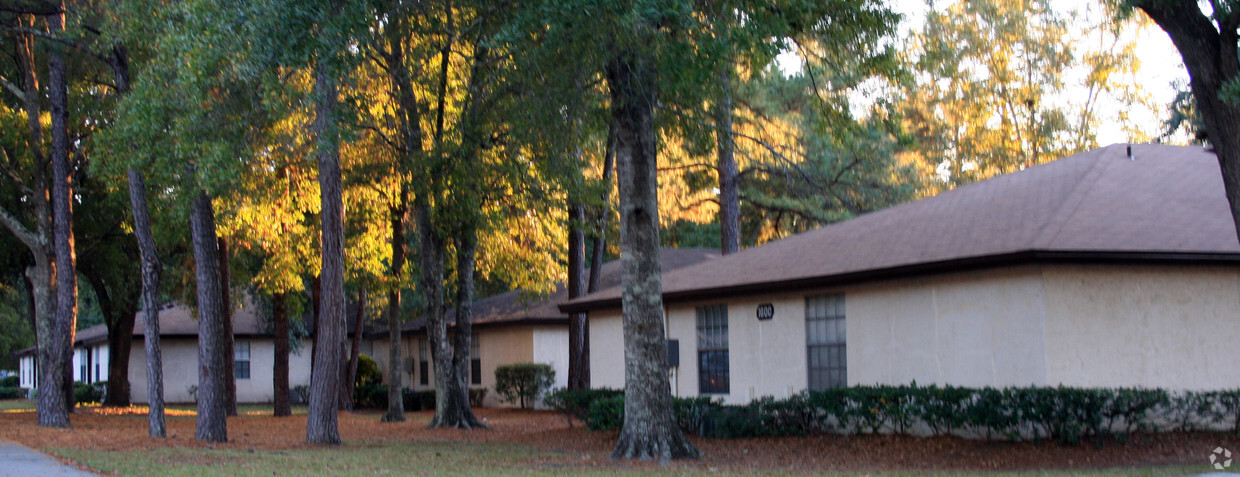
x: 1213, y: 63
x: 51, y: 408
x: 396, y: 407
x: 62, y: 207
x: 279, y: 371
x: 729, y: 194
x: 230, y: 358
x: 212, y: 411
x: 156, y: 426
x: 577, y: 338
x: 355, y: 351
x: 118, y: 317
x: 599, y: 243
x: 322, y: 422
x: 454, y: 410
x: 649, y: 430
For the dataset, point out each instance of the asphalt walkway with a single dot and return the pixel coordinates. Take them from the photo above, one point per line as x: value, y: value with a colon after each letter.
x: 16, y: 460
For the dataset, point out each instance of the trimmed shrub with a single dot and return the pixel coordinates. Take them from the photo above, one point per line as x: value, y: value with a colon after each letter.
x: 606, y: 414
x: 367, y: 371
x: 370, y: 396
x: 13, y: 392
x: 575, y: 403
x: 523, y: 383
x: 88, y: 393
x: 10, y: 382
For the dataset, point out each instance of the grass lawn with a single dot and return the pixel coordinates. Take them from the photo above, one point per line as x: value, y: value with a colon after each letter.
x: 441, y: 458
x: 16, y: 405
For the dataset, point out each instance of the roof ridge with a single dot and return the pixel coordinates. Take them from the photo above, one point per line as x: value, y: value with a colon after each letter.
x: 1071, y: 204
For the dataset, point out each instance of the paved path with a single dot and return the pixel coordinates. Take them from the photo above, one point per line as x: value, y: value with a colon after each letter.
x: 16, y: 460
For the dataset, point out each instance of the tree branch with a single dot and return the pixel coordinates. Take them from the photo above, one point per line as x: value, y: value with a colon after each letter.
x: 64, y: 41
x: 21, y: 95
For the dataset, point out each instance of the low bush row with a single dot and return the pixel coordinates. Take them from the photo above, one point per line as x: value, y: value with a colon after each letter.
x: 1065, y: 414
x: 7, y: 392
x: 375, y: 396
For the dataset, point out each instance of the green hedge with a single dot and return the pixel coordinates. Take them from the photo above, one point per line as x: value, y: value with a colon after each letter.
x: 9, y: 382
x: 375, y: 396
x: 523, y: 383
x: 89, y: 393
x: 7, y: 392
x: 1065, y: 414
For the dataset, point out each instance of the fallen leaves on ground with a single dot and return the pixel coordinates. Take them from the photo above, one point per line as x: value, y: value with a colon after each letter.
x: 570, y: 444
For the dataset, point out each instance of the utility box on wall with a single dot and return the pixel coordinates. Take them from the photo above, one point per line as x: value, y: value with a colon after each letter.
x: 673, y: 353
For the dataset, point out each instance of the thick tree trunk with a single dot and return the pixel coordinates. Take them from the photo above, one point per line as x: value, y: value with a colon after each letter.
x: 649, y: 430
x: 150, y: 304
x: 51, y: 408
x: 578, y: 366
x: 322, y: 422
x: 355, y: 352
x: 230, y: 358
x: 396, y: 408
x: 729, y: 194
x: 430, y: 254
x: 118, y: 315
x: 279, y: 371
x: 62, y: 207
x: 212, y: 411
x: 454, y: 411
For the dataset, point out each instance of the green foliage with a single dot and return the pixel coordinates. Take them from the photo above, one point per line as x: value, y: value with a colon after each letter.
x: 575, y: 403
x: 13, y: 392
x: 10, y: 381
x: 89, y: 393
x: 367, y: 371
x: 523, y: 383
x: 1064, y: 414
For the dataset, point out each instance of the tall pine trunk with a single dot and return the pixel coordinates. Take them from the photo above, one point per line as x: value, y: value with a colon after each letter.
x: 212, y: 405
x: 156, y: 427
x: 396, y: 406
x: 279, y: 369
x: 230, y: 367
x: 729, y: 193
x: 578, y: 364
x: 62, y: 207
x: 649, y: 430
x: 322, y: 423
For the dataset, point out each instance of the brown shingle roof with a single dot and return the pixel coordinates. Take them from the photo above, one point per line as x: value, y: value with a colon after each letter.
x: 179, y: 321
x: 513, y: 307
x: 1165, y: 204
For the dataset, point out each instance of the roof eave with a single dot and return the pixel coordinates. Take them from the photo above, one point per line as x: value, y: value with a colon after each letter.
x: 928, y: 268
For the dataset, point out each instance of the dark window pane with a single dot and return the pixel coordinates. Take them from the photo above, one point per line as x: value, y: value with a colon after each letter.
x: 475, y: 371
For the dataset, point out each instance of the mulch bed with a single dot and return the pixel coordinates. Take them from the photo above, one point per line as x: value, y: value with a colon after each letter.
x: 125, y: 430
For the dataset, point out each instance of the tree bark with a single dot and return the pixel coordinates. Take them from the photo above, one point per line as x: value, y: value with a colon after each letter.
x: 118, y: 316
x: 156, y: 426
x: 322, y: 422
x: 578, y: 374
x: 279, y: 371
x: 599, y: 243
x: 62, y: 207
x: 212, y: 411
x: 452, y: 408
x: 230, y: 358
x: 1211, y: 56
x: 729, y: 194
x: 396, y: 407
x: 355, y: 352
x: 649, y: 430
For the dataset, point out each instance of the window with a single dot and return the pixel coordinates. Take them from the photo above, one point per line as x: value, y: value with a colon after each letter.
x: 82, y: 363
x: 98, y: 355
x: 241, y: 360
x: 475, y: 362
x: 712, y: 344
x: 825, y: 341
x: 423, y: 367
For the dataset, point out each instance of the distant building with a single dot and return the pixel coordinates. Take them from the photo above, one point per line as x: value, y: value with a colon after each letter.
x: 253, y: 352
x: 1093, y: 270
x: 508, y: 328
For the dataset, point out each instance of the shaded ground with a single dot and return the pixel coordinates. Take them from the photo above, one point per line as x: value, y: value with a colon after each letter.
x: 544, y: 440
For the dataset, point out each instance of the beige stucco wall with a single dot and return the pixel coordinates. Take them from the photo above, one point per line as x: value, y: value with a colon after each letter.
x: 968, y: 329
x: 180, y: 357
x: 1087, y: 325
x: 1171, y: 327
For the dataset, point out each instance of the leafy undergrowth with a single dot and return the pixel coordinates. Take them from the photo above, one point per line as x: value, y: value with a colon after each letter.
x: 532, y: 442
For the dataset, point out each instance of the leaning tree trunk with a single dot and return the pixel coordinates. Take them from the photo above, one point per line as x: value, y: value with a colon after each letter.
x: 649, y: 430
x: 62, y: 208
x: 212, y: 411
x: 279, y: 370
x: 150, y: 304
x: 230, y: 358
x: 396, y: 406
x: 322, y: 422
